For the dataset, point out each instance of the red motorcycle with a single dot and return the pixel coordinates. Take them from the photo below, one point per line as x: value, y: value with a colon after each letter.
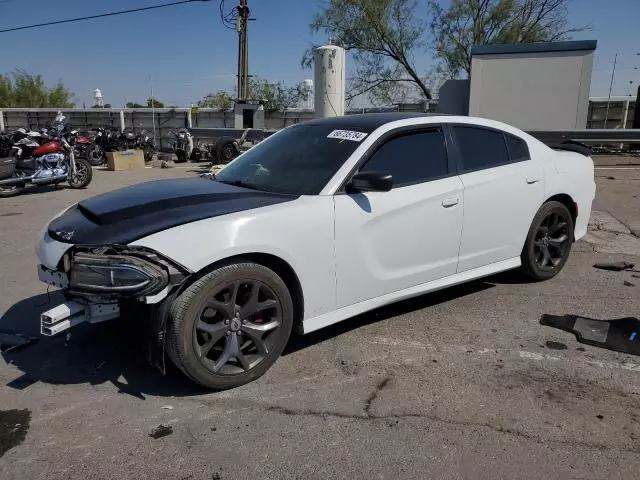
x: 85, y: 147
x: 48, y: 164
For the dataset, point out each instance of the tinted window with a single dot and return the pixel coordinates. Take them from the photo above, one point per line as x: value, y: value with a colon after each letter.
x: 299, y: 160
x: 481, y: 148
x: 411, y: 158
x: 518, y: 150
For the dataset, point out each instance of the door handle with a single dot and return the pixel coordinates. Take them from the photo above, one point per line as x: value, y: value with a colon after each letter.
x: 450, y: 202
x: 532, y: 180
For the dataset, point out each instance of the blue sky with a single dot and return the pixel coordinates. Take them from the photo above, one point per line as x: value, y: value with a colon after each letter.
x: 188, y: 53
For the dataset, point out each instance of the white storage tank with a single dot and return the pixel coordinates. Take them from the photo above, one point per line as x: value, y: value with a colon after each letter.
x: 329, y: 73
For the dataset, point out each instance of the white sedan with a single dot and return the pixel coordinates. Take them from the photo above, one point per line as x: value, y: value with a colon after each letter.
x: 320, y: 222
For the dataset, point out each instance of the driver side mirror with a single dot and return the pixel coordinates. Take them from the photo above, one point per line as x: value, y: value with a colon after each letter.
x: 370, y: 182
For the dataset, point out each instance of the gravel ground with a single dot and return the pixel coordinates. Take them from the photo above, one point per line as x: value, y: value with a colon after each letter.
x: 462, y: 383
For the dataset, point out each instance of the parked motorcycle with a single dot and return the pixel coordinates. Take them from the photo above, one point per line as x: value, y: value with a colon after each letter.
x: 51, y: 163
x: 138, y: 139
x: 85, y: 147
x: 146, y: 144
x: 107, y: 138
x: 183, y: 144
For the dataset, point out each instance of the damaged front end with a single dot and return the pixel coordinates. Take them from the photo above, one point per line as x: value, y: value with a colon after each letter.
x: 99, y: 282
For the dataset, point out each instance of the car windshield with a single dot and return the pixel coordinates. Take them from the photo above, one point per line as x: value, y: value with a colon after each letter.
x: 299, y: 160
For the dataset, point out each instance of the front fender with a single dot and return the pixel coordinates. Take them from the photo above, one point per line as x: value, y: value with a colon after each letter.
x: 301, y: 233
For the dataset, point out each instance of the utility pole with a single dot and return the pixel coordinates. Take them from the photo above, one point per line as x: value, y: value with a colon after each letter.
x: 243, y: 52
x: 613, y: 74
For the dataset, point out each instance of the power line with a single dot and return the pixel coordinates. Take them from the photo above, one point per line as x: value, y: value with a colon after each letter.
x: 229, y: 19
x: 102, y: 15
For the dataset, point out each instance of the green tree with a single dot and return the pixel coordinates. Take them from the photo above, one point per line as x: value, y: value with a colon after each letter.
x: 134, y: 105
x: 152, y: 102
x: 26, y: 90
x: 465, y: 23
x: 276, y: 96
x: 220, y: 99
x: 384, y: 37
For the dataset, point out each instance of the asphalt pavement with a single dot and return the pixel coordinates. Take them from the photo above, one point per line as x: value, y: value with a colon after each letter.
x: 462, y: 383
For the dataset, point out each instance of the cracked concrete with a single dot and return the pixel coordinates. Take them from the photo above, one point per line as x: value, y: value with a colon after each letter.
x: 609, y: 235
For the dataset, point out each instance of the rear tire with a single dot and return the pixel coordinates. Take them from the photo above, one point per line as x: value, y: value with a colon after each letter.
x: 216, y: 317
x: 83, y: 175
x: 226, y: 150
x: 12, y: 190
x: 548, y: 243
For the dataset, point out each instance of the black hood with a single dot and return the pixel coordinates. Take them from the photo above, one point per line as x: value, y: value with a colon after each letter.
x: 130, y: 213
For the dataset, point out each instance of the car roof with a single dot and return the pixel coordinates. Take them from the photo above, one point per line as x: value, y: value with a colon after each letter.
x: 368, y: 121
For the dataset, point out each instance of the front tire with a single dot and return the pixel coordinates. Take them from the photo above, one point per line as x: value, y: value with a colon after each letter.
x: 548, y: 243
x: 95, y: 155
x: 230, y: 326
x: 83, y: 174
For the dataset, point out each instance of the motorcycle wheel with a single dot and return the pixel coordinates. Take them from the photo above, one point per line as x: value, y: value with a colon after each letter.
x: 148, y: 154
x: 12, y: 190
x: 83, y: 174
x: 95, y: 155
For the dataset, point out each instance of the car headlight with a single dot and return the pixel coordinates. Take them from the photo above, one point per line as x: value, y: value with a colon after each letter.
x: 119, y: 274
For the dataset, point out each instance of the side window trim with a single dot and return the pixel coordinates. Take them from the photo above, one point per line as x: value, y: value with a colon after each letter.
x: 459, y: 159
x: 398, y: 132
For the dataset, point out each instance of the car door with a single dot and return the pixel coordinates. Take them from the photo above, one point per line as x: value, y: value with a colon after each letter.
x: 389, y: 241
x: 503, y: 189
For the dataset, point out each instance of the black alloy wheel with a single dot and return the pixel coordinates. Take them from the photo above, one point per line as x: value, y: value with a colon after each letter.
x: 236, y: 329
x: 549, y: 241
x: 231, y: 325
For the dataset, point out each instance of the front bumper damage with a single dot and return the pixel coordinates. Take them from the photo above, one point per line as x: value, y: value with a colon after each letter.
x: 72, y: 313
x: 86, y: 304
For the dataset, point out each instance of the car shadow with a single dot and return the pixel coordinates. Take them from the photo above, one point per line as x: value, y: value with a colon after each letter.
x: 115, y: 351
x: 94, y: 354
x: 300, y: 342
x: 510, y: 277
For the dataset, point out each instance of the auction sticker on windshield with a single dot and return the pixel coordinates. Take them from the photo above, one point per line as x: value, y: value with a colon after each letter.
x: 347, y: 135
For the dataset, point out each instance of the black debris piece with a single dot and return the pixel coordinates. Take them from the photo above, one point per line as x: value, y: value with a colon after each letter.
x: 599, y: 417
x: 161, y: 431
x: 555, y: 345
x: 629, y: 284
x: 12, y: 341
x: 614, y: 266
x: 620, y: 334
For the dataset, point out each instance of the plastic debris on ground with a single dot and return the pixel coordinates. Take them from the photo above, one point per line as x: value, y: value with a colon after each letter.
x: 620, y: 334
